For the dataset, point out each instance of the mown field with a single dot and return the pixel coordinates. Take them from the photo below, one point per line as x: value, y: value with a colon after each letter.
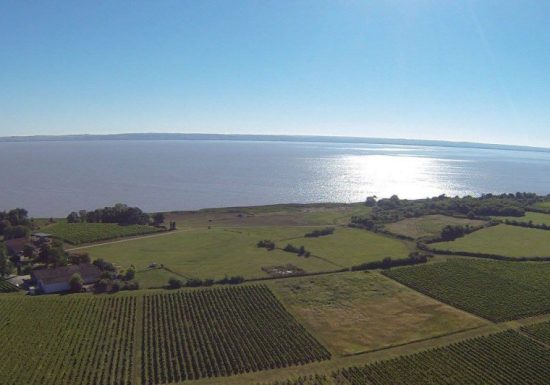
x: 214, y: 253
x: 6, y: 287
x: 428, y: 225
x: 147, y: 338
x: 509, y: 241
x: 221, y: 332
x: 77, y: 233
x: 495, y: 290
x: 355, y: 312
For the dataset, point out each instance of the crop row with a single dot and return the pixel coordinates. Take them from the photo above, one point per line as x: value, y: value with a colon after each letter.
x: 6, y: 287
x: 499, y: 359
x: 62, y: 341
x: 220, y: 332
x: 498, y: 291
x: 539, y: 331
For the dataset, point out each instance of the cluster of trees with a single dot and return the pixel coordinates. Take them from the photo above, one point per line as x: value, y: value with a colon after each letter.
x: 529, y: 224
x: 266, y: 244
x: 111, y: 281
x: 301, y: 251
x: 176, y: 283
x: 6, y: 267
x: 394, y: 209
x: 119, y: 213
x: 320, y: 233
x: 50, y: 254
x: 15, y: 224
x: 387, y: 263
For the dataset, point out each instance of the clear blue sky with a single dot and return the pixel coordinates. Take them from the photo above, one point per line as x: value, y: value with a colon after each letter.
x: 454, y: 70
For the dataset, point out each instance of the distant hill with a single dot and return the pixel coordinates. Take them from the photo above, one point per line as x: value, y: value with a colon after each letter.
x: 269, y: 138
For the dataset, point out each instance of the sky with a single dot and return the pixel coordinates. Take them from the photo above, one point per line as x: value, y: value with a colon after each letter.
x: 421, y: 69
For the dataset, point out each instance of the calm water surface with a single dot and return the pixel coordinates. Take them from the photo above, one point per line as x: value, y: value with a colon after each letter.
x: 54, y: 178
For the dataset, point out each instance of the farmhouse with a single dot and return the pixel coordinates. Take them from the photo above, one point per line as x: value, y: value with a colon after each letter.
x: 57, y: 280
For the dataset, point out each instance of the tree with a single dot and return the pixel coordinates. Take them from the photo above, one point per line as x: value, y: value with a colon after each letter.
x: 371, y: 201
x: 130, y: 274
x: 76, y: 283
x: 73, y: 217
x: 174, y: 283
x: 6, y: 266
x: 28, y: 250
x: 158, y: 218
x: 18, y: 231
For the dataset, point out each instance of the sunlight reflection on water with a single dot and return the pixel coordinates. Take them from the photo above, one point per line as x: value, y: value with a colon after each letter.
x: 54, y: 178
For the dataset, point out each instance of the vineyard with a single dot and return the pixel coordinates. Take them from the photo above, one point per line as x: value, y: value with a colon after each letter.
x: 67, y: 341
x: 499, y: 359
x: 539, y: 331
x: 6, y: 287
x: 220, y: 332
x: 497, y: 291
x: 309, y: 380
x: 76, y: 233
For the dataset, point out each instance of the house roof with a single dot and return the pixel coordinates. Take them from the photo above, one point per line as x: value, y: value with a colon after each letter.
x: 88, y: 272
x: 17, y: 245
x: 41, y: 235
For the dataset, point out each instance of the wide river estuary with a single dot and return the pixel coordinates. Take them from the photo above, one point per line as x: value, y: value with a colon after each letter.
x: 54, y: 178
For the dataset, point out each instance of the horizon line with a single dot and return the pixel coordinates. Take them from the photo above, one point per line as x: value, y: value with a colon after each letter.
x: 268, y: 137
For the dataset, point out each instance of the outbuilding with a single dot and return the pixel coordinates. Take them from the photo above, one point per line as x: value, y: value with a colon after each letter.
x: 57, y: 279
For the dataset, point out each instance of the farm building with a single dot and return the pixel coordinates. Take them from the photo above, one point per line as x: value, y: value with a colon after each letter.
x: 57, y: 280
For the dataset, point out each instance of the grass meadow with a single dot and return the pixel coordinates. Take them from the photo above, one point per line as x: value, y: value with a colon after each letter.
x: 355, y: 312
x: 510, y: 241
x: 196, y: 253
x: 428, y: 225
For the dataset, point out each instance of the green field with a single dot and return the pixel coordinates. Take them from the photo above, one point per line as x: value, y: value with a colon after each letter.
x: 536, y: 218
x: 273, y: 215
x: 495, y: 290
x: 540, y: 331
x: 76, y: 233
x: 543, y: 205
x: 499, y: 359
x: 510, y: 241
x: 428, y: 225
x: 214, y: 253
x: 354, y: 312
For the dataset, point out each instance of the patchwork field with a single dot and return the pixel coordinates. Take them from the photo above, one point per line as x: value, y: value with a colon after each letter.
x: 196, y: 252
x: 354, y: 312
x: 76, y: 233
x: 428, y: 225
x: 510, y: 241
x: 495, y: 290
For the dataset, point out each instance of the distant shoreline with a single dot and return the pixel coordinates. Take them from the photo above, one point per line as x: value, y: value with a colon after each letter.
x: 268, y: 138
